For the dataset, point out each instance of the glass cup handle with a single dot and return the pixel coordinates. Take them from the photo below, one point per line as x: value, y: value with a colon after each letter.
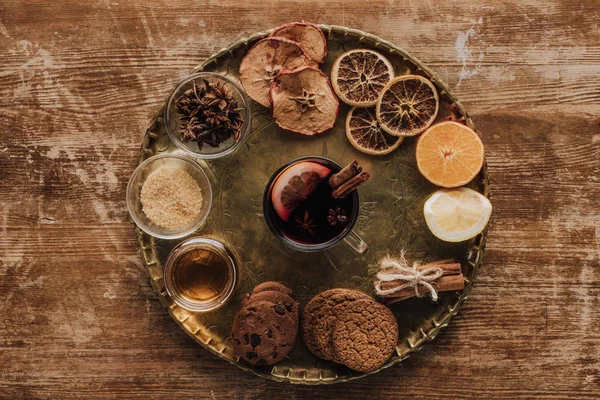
x: 356, y: 243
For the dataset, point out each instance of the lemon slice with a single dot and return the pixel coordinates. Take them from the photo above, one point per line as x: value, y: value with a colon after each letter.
x: 456, y: 215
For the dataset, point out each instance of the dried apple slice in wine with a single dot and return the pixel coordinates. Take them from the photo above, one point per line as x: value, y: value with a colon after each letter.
x: 293, y: 186
x: 265, y: 60
x: 303, y: 101
x: 310, y: 37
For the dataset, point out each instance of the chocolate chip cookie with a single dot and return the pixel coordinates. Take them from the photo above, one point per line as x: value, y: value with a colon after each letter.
x: 265, y: 327
x: 278, y: 298
x: 364, y: 335
x: 318, y: 318
x: 274, y: 286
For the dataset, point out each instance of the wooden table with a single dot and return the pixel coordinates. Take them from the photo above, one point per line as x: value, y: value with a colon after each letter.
x: 79, y: 82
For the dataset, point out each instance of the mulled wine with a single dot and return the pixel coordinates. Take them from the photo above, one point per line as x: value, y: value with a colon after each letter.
x: 301, y: 209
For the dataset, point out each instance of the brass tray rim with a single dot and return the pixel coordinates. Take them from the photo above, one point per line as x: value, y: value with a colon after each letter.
x: 478, y: 245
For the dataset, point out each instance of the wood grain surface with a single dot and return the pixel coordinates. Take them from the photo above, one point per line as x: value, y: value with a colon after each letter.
x: 79, y: 82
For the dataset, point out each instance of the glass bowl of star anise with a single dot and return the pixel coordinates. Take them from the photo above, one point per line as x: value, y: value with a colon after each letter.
x: 207, y: 115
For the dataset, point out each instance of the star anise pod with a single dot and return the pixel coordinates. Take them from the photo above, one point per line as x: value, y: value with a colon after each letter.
x: 337, y: 216
x: 307, y: 224
x: 209, y: 114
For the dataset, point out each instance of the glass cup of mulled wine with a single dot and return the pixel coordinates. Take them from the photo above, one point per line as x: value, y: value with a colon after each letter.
x: 301, y: 210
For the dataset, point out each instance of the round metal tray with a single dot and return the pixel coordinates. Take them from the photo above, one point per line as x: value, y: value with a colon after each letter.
x: 391, y: 219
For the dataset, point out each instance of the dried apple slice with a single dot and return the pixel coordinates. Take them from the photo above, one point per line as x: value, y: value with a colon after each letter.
x: 310, y: 36
x: 303, y: 101
x: 265, y: 60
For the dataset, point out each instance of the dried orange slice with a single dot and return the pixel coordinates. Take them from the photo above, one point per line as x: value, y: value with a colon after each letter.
x: 358, y: 76
x: 449, y: 154
x: 407, y: 105
x: 365, y: 134
x: 456, y: 215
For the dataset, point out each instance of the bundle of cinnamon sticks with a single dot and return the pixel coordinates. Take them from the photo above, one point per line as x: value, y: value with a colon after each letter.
x: 451, y: 279
x: 348, y: 179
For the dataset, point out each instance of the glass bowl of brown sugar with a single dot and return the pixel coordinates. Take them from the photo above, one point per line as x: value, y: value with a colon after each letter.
x: 169, y: 196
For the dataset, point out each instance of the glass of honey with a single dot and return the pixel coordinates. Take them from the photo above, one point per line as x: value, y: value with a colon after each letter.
x: 200, y: 274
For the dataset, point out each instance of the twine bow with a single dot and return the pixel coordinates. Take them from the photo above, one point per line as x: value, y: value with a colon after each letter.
x: 394, y: 270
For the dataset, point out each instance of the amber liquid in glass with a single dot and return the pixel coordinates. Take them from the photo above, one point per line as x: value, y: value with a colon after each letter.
x: 201, y: 275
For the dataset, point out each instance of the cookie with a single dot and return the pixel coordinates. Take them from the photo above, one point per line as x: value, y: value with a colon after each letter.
x: 263, y: 333
x: 290, y: 305
x: 274, y: 286
x: 317, y: 319
x: 364, y: 335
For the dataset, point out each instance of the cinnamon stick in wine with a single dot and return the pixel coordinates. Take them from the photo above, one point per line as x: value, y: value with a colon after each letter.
x: 346, y: 173
x: 350, y: 185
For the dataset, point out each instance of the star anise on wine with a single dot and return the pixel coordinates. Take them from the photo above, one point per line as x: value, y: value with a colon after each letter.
x: 307, y: 224
x: 209, y: 114
x: 337, y: 216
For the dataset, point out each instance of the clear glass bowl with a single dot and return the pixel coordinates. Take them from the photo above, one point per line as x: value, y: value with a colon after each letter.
x: 175, y: 291
x: 134, y: 188
x: 171, y: 115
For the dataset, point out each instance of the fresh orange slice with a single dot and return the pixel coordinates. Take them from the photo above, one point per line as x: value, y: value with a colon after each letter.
x: 407, y: 105
x: 449, y: 154
x: 293, y: 186
x: 359, y: 75
x: 365, y: 134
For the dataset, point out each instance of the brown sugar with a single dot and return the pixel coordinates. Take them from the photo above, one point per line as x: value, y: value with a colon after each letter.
x: 171, y: 197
